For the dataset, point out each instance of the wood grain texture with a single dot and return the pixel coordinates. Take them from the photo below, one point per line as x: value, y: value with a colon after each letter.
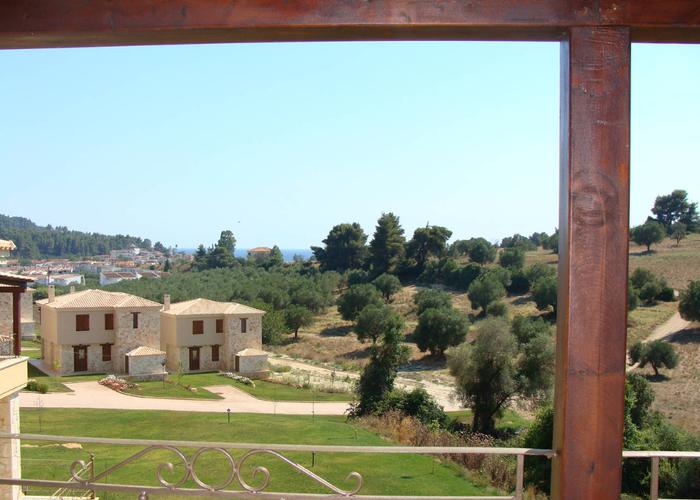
x: 592, y: 304
x: 65, y: 23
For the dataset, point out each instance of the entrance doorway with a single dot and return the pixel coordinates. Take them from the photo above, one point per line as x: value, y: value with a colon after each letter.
x: 80, y: 360
x: 194, y: 358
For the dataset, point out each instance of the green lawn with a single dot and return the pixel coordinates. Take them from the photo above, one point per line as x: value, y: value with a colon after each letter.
x: 264, y: 389
x: 383, y: 474
x: 156, y: 389
x: 56, y: 384
x: 31, y: 349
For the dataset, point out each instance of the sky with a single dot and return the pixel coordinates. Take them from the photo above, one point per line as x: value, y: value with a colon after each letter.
x: 279, y: 142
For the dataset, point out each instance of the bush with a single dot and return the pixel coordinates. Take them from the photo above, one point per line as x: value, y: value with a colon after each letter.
x: 356, y: 298
x: 537, y: 271
x: 649, y: 292
x: 485, y: 290
x: 641, y: 277
x: 388, y: 285
x: 416, y: 403
x: 544, y: 293
x: 497, y: 309
x: 689, y: 305
x: 632, y: 298
x: 526, y: 328
x: 34, y: 386
x: 467, y: 274
x: 357, y: 276
x: 657, y: 353
x: 519, y: 283
x: 439, y: 329
x: 431, y: 299
x: 666, y: 294
x: 512, y: 258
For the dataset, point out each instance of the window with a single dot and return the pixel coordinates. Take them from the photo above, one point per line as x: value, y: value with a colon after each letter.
x: 219, y: 326
x: 197, y: 327
x: 109, y: 321
x: 135, y: 320
x: 82, y: 322
x: 106, y: 352
x: 244, y: 325
x: 215, y: 352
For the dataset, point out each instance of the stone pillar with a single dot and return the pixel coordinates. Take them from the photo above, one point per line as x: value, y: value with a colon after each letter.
x: 9, y: 449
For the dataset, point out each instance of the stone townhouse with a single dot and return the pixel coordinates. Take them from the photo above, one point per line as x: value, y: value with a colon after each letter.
x: 96, y: 331
x: 205, y: 335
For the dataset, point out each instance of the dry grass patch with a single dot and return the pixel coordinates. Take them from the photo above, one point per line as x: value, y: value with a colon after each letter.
x: 645, y: 319
x: 678, y: 390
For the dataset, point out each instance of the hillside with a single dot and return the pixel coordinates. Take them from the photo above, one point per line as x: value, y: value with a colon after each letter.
x: 35, y: 242
x: 678, y: 264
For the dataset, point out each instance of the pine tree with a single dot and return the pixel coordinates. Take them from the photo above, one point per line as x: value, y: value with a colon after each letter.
x: 387, y: 247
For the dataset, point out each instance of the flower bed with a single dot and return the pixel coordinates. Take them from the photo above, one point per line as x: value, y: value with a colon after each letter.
x: 238, y: 378
x: 116, y: 383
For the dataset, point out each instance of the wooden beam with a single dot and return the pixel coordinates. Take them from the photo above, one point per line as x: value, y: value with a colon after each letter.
x: 594, y: 233
x: 68, y: 23
x: 17, y: 323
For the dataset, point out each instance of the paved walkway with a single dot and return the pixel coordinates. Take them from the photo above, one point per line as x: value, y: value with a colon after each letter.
x: 94, y: 395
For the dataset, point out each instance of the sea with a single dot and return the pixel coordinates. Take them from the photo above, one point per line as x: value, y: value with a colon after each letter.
x: 287, y: 253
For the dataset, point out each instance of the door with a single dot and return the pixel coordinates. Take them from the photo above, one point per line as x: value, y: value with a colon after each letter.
x: 126, y: 364
x: 80, y: 361
x: 194, y: 358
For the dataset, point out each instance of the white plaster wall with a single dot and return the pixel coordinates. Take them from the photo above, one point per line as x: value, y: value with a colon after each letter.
x: 10, y: 463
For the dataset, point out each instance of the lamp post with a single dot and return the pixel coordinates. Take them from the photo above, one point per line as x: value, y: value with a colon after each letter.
x: 228, y: 415
x: 162, y: 364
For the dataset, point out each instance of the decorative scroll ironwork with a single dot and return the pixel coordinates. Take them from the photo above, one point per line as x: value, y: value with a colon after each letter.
x: 234, y: 470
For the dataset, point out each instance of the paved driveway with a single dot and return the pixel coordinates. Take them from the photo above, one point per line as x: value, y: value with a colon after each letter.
x: 94, y: 395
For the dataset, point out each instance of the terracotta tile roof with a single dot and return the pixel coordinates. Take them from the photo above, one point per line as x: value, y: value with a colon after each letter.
x: 144, y: 350
x: 260, y: 250
x: 98, y: 299
x: 12, y: 278
x: 201, y: 306
x: 251, y: 352
x: 7, y: 245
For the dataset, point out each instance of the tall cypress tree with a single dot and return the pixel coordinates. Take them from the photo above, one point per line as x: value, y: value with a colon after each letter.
x: 387, y: 247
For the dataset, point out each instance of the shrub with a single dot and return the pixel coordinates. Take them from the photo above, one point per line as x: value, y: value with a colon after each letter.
x: 34, y: 386
x: 544, y: 293
x: 537, y: 271
x: 526, y: 328
x: 632, y: 298
x: 512, y: 258
x: 666, y: 294
x: 497, y: 309
x: 431, y: 299
x: 439, y: 329
x: 485, y: 290
x: 657, y: 353
x: 467, y: 274
x: 649, y: 292
x: 356, y: 298
x: 357, y: 276
x: 689, y: 305
x: 416, y: 403
x: 641, y: 277
x: 388, y: 285
x: 238, y: 378
x: 519, y: 283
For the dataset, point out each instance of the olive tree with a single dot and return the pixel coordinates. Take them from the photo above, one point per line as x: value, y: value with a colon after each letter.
x: 439, y: 329
x: 356, y: 298
x: 689, y: 305
x: 657, y: 353
x: 485, y: 290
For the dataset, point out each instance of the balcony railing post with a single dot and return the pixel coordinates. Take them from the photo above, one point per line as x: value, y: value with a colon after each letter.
x: 91, y: 468
x: 519, y: 477
x: 654, y: 494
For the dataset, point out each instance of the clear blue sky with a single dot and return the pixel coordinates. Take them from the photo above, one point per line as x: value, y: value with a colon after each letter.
x: 278, y: 142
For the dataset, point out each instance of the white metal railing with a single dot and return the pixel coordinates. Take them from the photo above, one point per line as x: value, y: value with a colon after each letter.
x: 245, y: 490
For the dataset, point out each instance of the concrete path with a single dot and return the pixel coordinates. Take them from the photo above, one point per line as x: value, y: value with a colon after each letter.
x: 94, y: 395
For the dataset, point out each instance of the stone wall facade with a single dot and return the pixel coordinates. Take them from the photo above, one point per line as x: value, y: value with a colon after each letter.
x: 252, y: 365
x: 235, y: 341
x: 177, y: 355
x: 146, y: 365
x: 127, y: 338
x: 60, y: 357
x: 26, y: 314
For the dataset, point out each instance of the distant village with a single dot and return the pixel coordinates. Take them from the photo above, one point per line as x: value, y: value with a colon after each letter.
x: 132, y: 263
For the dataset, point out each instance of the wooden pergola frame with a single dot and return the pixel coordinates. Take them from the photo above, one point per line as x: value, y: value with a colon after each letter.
x: 595, y: 41
x: 16, y: 285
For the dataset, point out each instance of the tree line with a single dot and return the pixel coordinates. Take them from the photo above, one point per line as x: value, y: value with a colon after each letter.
x: 36, y: 242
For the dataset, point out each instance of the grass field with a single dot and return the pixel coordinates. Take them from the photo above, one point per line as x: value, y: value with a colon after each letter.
x: 383, y: 474
x: 265, y: 390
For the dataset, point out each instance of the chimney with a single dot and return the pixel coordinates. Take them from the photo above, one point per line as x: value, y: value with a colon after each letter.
x: 166, y: 302
x: 72, y: 289
x: 52, y: 293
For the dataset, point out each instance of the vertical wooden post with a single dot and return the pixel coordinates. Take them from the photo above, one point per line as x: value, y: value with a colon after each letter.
x: 16, y: 323
x: 593, y: 255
